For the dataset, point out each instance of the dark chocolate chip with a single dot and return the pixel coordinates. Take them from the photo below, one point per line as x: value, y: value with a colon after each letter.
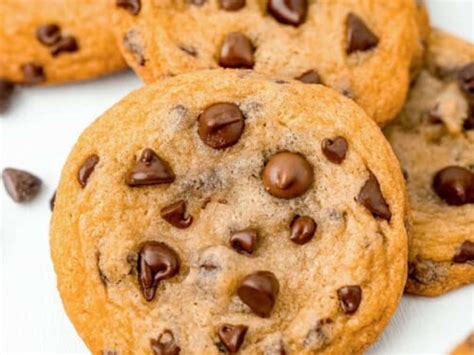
x: 466, y: 79
x: 48, y: 34
x: 370, y: 196
x: 33, y: 73
x: 289, y: 12
x: 244, y: 241
x: 165, y: 344
x: 21, y: 185
x: 86, y: 169
x: 6, y: 91
x: 175, y: 214
x: 66, y: 44
x: 150, y: 169
x: 455, y: 185
x: 52, y: 201
x: 359, y: 36
x: 156, y: 262
x: 232, y: 5
x: 132, y: 6
x: 236, y: 51
x: 221, y: 125
x: 259, y: 291
x: 287, y: 175
x: 349, y: 298
x: 464, y: 253
x: 309, y: 77
x: 232, y: 336
x: 302, y: 229
x: 131, y: 42
x: 335, y: 149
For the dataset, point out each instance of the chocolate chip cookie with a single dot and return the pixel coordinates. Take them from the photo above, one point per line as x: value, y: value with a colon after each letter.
x: 50, y: 41
x: 362, y: 48
x: 434, y: 140
x: 466, y: 347
x: 220, y: 211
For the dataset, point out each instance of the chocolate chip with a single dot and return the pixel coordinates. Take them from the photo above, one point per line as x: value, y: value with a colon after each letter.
x: 466, y: 79
x: 221, y: 125
x: 302, y: 229
x: 359, y: 36
x: 132, y: 6
x: 309, y: 77
x: 165, y: 344
x: 33, y: 73
x: 175, y: 214
x: 232, y: 5
x: 52, y: 201
x: 156, y: 262
x: 86, y: 169
x: 244, y: 241
x: 349, y: 298
x: 232, y: 336
x: 6, y: 91
x: 468, y: 123
x: 48, y: 34
x: 335, y: 149
x: 371, y: 198
x: 236, y: 51
x: 150, y: 169
x: 259, y: 291
x: 289, y: 12
x: 287, y: 175
x: 131, y: 42
x: 21, y: 185
x: 66, y: 44
x: 464, y: 253
x: 455, y: 185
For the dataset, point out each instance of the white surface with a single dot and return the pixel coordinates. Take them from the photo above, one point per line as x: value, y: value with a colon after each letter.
x: 38, y: 133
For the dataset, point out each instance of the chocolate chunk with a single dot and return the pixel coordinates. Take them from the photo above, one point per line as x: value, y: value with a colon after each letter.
x: 33, y: 74
x: 175, y: 214
x: 52, y: 201
x: 455, y: 185
x: 359, y: 36
x: 232, y: 336
x: 21, y: 185
x: 132, y: 6
x: 48, y: 34
x: 221, y: 125
x: 466, y: 79
x: 289, y: 12
x: 131, y: 42
x: 156, y: 262
x: 370, y: 196
x: 165, y: 344
x: 464, y: 253
x: 349, y: 298
x: 232, y: 5
x: 309, y: 77
x: 302, y: 229
x: 66, y: 44
x: 236, y: 52
x: 335, y: 149
x: 150, y: 169
x: 6, y: 91
x: 259, y: 291
x: 287, y: 175
x: 86, y: 169
x: 244, y: 241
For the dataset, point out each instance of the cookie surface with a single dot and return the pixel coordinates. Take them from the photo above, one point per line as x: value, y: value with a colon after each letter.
x: 50, y: 41
x: 362, y: 48
x: 219, y: 210
x: 434, y: 140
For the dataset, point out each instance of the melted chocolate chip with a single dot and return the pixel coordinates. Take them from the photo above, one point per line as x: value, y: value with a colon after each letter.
x: 6, y: 91
x: 466, y: 79
x: 33, y: 74
x: 244, y: 241
x: 232, y: 336
x: 302, y: 229
x: 175, y: 214
x: 232, y: 5
x: 309, y: 77
x: 359, y: 36
x: 156, y: 262
x: 48, y: 34
x: 259, y: 291
x: 335, y: 149
x: 349, y: 298
x: 131, y: 42
x: 287, y: 175
x: 455, y: 185
x: 236, y: 51
x: 21, y: 185
x: 86, y: 169
x: 150, y: 169
x: 165, y: 344
x: 52, y: 201
x: 370, y: 196
x: 66, y: 44
x: 464, y: 253
x: 221, y: 125
x: 132, y: 6
x: 289, y: 12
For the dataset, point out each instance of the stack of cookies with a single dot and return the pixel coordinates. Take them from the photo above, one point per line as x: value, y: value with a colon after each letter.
x: 246, y: 200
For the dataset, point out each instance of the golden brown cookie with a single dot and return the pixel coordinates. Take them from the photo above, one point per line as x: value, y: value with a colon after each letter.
x: 466, y: 347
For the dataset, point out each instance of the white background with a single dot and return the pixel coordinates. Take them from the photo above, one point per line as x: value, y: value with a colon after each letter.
x: 37, y: 134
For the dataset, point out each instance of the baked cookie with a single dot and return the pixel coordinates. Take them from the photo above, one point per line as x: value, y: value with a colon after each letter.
x: 362, y: 48
x: 50, y: 41
x: 434, y: 140
x: 219, y: 211
x: 466, y: 347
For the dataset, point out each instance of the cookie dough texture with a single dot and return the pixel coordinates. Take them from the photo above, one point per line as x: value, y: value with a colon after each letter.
x: 84, y: 21
x: 435, y: 131
x: 162, y: 38
x: 98, y: 230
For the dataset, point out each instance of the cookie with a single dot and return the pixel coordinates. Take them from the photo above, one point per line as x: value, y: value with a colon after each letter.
x: 362, y: 48
x: 466, y: 347
x: 434, y: 140
x: 51, y: 41
x: 220, y: 211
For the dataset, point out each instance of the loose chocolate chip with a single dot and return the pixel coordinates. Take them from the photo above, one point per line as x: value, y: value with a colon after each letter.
x: 6, y: 91
x: 132, y: 6
x: 287, y: 175
x: 335, y: 149
x: 466, y: 79
x: 309, y: 77
x: 21, y: 185
x: 66, y: 44
x: 150, y: 170
x: 52, y: 201
x: 464, y: 253
x: 86, y: 169
x: 33, y: 73
x: 165, y: 344
x: 156, y: 262
x: 302, y: 229
x: 259, y: 291
x: 131, y: 42
x: 232, y: 336
x: 48, y: 34
x: 244, y: 241
x: 221, y: 125
x: 371, y: 198
x: 289, y: 12
x: 175, y: 214
x: 359, y: 36
x: 455, y: 185
x: 232, y: 5
x: 349, y: 298
x: 236, y: 52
